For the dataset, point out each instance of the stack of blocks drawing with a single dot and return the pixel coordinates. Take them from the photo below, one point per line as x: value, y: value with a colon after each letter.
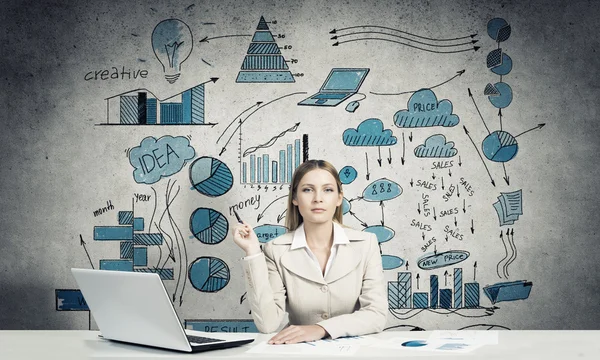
x: 431, y: 274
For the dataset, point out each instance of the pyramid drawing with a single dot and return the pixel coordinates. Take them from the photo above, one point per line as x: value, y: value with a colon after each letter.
x: 263, y: 62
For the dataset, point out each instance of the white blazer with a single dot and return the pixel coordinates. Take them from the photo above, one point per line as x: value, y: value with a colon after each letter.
x: 349, y: 301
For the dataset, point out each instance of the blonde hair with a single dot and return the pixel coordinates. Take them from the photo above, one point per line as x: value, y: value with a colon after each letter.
x: 293, y: 219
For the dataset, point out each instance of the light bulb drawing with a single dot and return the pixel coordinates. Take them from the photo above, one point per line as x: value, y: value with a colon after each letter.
x: 172, y: 42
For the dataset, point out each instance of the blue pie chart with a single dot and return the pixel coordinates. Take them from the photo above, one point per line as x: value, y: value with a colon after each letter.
x: 504, y: 98
x: 210, y: 176
x: 500, y: 146
x: 208, y: 274
x: 208, y: 225
x: 505, y: 67
x: 498, y: 29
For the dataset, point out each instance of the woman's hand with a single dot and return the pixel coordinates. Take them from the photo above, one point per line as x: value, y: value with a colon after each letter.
x: 296, y: 334
x: 246, y: 239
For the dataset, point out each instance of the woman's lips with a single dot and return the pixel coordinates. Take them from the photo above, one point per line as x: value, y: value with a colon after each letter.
x: 318, y: 210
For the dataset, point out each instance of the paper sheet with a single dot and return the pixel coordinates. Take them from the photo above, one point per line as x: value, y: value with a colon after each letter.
x: 339, y: 346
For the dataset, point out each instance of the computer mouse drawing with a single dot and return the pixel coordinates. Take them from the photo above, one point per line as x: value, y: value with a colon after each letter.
x: 352, y: 106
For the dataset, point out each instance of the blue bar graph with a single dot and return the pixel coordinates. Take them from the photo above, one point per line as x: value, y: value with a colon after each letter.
x: 148, y: 239
x: 297, y: 153
x: 265, y: 168
x: 471, y: 295
x: 405, y: 289
x: 258, y: 173
x: 282, y: 168
x: 110, y: 233
x: 171, y: 113
x: 393, y: 295
x: 420, y: 300
x: 117, y: 265
x: 252, y: 168
x: 457, y: 288
x: 433, y: 290
x: 140, y: 256
x: 458, y: 296
x: 129, y: 110
x: 445, y: 298
x: 290, y: 169
x: 139, y: 109
x: 151, y: 111
x: 197, y: 104
x: 126, y: 250
x: 138, y: 224
x: 125, y: 217
x: 186, y: 105
x: 244, y: 172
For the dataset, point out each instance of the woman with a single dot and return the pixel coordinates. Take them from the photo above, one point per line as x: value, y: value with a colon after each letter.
x: 327, y: 277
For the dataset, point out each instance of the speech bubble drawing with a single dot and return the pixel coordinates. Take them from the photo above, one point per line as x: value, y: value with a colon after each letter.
x: 155, y: 159
x: 381, y: 190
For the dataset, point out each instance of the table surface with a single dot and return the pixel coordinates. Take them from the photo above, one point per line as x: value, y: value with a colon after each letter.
x: 512, y: 345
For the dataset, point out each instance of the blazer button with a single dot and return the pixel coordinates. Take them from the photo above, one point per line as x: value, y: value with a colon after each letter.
x: 325, y: 316
x: 324, y: 288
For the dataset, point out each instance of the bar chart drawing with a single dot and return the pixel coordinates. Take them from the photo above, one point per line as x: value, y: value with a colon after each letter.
x: 134, y: 244
x: 454, y: 296
x: 142, y: 107
x: 262, y: 169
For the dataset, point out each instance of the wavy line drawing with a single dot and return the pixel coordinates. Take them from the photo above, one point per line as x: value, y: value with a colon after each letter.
x: 513, y: 257
x: 504, y: 258
x: 250, y: 150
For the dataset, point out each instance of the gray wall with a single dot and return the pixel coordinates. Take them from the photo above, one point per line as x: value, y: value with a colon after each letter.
x: 61, y: 162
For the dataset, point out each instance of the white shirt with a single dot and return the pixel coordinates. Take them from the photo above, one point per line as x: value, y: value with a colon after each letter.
x: 339, y: 237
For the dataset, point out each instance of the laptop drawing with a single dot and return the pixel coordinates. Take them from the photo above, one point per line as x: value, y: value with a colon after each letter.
x: 339, y: 85
x: 135, y: 308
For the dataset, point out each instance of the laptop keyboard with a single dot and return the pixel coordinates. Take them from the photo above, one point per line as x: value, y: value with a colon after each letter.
x: 201, y: 340
x: 330, y: 96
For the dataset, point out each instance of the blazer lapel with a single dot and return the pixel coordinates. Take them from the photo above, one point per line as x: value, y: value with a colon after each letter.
x: 346, y: 260
x: 298, y: 262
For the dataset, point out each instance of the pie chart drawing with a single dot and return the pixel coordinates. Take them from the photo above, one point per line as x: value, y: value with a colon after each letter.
x: 498, y: 29
x: 210, y: 176
x: 505, y: 67
x: 500, y: 146
x: 504, y: 98
x: 209, y: 226
x: 208, y: 274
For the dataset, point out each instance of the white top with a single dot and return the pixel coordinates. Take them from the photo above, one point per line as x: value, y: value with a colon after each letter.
x: 299, y: 241
x: 339, y: 237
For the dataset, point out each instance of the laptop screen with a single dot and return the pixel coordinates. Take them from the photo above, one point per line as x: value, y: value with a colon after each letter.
x: 345, y: 79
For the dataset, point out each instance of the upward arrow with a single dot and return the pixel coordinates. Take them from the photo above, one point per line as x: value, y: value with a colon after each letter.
x: 82, y: 243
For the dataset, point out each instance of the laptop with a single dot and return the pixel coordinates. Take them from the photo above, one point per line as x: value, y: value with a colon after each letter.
x: 339, y: 85
x: 135, y: 308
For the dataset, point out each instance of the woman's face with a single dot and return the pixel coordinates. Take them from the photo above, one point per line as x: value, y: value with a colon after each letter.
x: 317, y: 196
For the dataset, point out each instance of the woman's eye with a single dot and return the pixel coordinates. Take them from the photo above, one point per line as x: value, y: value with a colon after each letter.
x: 330, y: 190
x: 306, y: 189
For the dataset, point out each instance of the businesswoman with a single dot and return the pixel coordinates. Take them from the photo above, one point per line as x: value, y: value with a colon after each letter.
x: 328, y: 278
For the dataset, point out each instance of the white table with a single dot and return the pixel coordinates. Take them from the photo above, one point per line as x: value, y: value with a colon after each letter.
x: 512, y: 345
